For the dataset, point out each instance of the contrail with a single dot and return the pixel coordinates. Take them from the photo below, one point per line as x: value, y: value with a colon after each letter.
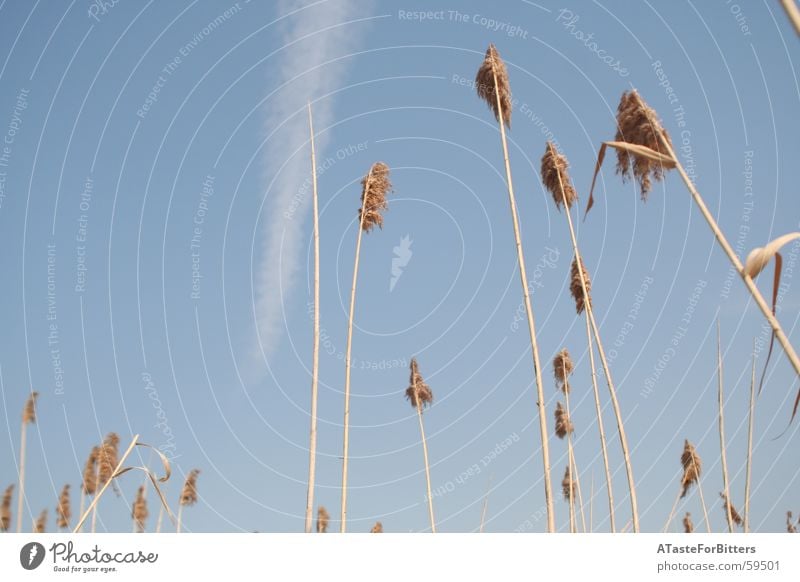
x: 285, y: 211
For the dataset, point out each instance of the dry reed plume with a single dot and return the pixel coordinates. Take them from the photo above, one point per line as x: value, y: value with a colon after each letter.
x: 491, y: 82
x: 107, y: 458
x: 375, y: 186
x: 63, y: 509
x: 688, y: 524
x: 40, y: 525
x: 564, y: 425
x: 568, y: 486
x: 90, y: 472
x: 562, y: 368
x: 790, y: 526
x: 575, y: 286
x: 377, y: 528
x: 29, y: 413
x: 322, y: 520
x: 692, y: 466
x: 188, y: 495
x: 139, y: 512
x: 5, y: 509
x: 420, y: 395
x: 729, y: 509
x: 28, y: 417
x: 555, y: 177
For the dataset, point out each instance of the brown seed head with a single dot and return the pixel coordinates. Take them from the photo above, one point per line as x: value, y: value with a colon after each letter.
x: 189, y: 492
x: 377, y: 528
x: 692, y: 466
x: 637, y: 123
x: 575, y: 287
x: 140, y: 512
x: 688, y: 525
x: 5, y: 509
x: 374, y: 188
x: 40, y: 526
x: 737, y: 519
x: 418, y: 391
x: 790, y: 526
x: 493, y: 68
x: 555, y: 176
x: 107, y: 458
x: 323, y: 517
x: 563, y: 423
x: 29, y: 412
x: 63, y: 511
x: 90, y: 472
x: 568, y: 484
x: 562, y: 368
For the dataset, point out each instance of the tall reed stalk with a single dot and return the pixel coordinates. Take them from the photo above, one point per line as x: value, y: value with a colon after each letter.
x: 312, y: 447
x: 420, y: 395
x: 751, y: 409
x: 28, y: 417
x: 375, y: 186
x: 493, y: 87
x: 556, y: 179
x: 562, y: 368
x: 723, y: 454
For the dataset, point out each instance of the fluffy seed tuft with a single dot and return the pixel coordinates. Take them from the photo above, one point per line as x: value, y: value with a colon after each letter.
x: 374, y: 188
x: 563, y: 423
x: 418, y: 391
x: 63, y: 510
x: 5, y: 509
x: 562, y: 368
x: 555, y: 176
x: 575, y: 287
x: 493, y: 67
x: 692, y: 466
x: 323, y: 517
x: 688, y: 525
x: 189, y: 491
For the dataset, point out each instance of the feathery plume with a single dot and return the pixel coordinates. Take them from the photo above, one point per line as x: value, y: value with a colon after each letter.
x: 790, y: 526
x: 562, y: 368
x: 377, y: 528
x: 29, y: 412
x: 417, y: 388
x: 189, y: 492
x: 323, y: 517
x: 491, y: 68
x: 638, y: 124
x: 692, y: 466
x: 737, y: 519
x: 555, y: 176
x: 40, y: 526
x: 575, y: 287
x: 374, y: 187
x: 5, y: 509
x: 63, y: 510
x: 563, y: 423
x: 107, y: 458
x: 688, y: 525
x: 140, y: 512
x: 90, y: 472
x: 567, y: 483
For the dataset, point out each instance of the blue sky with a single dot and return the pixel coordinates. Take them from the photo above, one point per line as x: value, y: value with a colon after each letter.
x: 156, y: 164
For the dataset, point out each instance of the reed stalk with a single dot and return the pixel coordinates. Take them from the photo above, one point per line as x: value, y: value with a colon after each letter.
x: 751, y: 409
x: 28, y: 417
x: 723, y: 455
x: 419, y: 393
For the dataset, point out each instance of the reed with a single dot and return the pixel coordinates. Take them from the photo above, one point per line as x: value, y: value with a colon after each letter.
x: 751, y: 416
x: 139, y: 512
x: 374, y: 188
x: 188, y: 495
x: 730, y: 510
x: 323, y: 517
x: 312, y: 446
x: 692, y: 467
x: 793, y: 13
x: 722, y: 448
x: 63, y: 510
x: 28, y: 417
x: 5, y: 509
x: 493, y: 87
x: 105, y: 464
x: 40, y: 524
x: 420, y: 395
x: 790, y: 526
x: 377, y: 528
x: 688, y: 524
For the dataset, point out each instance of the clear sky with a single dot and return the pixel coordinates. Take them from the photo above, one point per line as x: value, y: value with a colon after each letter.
x: 155, y: 252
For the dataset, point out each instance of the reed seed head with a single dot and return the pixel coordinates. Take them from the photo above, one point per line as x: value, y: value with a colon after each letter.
x: 374, y: 188
x: 555, y: 176
x: 790, y: 526
x: 107, y: 458
x: 562, y: 368
x: 189, y: 491
x: 575, y: 287
x: 688, y: 525
x: 568, y: 484
x: 29, y: 412
x: 323, y: 517
x: 737, y: 519
x: 492, y: 77
x: 563, y: 423
x: 90, y: 472
x: 692, y: 466
x: 418, y: 391
x: 5, y: 509
x: 40, y: 525
x: 63, y: 510
x: 377, y: 528
x: 140, y: 512
x: 637, y: 123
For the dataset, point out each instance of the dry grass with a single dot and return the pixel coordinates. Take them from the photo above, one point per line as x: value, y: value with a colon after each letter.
x: 107, y: 458
x: 728, y: 506
x: 63, y: 509
x: 575, y: 287
x: 90, y: 472
x: 323, y: 518
x: 374, y: 188
x: 688, y: 524
x: 564, y: 425
x: 40, y: 525
x: 377, y: 528
x: 418, y: 392
x: 562, y: 368
x: 555, y: 177
x: 692, y: 467
x: 140, y: 512
x: 493, y: 68
x: 638, y: 124
x: 5, y: 509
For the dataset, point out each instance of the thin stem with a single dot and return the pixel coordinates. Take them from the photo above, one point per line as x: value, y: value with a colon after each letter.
x: 22, y: 451
x: 106, y: 484
x: 485, y: 504
x: 724, y: 458
x: 548, y: 493
x: 590, y: 323
x: 160, y: 518
x: 750, y: 443
x: 573, y: 465
x: 790, y: 6
x: 672, y: 512
x: 591, y: 505
x: 347, y: 359
x: 180, y: 515
x: 427, y: 466
x: 83, y: 501
x: 312, y: 447
x: 702, y: 497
